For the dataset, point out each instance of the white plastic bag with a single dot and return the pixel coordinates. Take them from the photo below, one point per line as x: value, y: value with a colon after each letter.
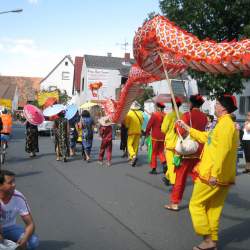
x: 8, y: 245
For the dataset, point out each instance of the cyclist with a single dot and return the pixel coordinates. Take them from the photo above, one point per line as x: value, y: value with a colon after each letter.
x: 7, y: 126
x: 1, y: 127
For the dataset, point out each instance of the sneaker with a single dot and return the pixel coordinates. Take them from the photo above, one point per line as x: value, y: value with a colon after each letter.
x: 108, y: 164
x: 153, y: 171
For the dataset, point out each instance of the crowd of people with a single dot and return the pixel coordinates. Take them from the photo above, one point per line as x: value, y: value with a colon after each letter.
x: 189, y: 144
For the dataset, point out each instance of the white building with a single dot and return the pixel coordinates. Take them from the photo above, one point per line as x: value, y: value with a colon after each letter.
x: 182, y: 87
x: 106, y: 69
x: 60, y: 77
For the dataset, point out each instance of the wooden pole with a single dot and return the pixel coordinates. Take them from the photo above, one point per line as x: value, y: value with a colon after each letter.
x: 170, y: 87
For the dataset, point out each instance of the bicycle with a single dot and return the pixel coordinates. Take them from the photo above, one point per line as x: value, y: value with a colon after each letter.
x: 4, y: 140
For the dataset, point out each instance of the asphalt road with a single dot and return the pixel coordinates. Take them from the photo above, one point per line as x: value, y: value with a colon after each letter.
x: 79, y: 205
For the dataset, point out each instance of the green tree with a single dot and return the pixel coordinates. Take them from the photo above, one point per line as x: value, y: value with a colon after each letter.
x: 218, y: 20
x: 63, y: 97
x: 147, y: 94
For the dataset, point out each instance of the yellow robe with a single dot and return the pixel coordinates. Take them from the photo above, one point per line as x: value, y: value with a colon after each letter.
x: 217, y: 160
x: 133, y: 122
x: 168, y: 128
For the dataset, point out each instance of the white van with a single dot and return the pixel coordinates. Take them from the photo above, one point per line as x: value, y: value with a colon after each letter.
x: 46, y: 128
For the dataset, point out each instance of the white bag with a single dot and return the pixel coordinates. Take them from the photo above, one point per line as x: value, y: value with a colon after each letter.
x: 186, y: 146
x: 8, y: 245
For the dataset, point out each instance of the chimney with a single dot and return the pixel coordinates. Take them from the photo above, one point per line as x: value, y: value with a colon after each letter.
x: 109, y: 54
x: 127, y: 57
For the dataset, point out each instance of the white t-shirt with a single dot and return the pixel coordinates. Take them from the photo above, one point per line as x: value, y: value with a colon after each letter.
x: 16, y: 206
x: 246, y: 135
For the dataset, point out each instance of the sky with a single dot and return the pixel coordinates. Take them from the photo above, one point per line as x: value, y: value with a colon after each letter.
x: 34, y: 41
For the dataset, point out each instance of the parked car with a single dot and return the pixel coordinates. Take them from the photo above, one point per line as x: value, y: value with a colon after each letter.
x: 46, y: 128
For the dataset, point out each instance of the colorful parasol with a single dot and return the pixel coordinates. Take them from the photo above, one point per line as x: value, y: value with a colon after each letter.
x: 33, y: 114
x: 88, y: 105
x: 53, y: 110
x: 70, y: 111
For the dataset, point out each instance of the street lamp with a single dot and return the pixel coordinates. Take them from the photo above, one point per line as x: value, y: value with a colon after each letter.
x: 11, y: 11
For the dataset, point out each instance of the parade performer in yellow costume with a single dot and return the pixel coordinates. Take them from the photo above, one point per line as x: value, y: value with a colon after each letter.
x: 168, y: 128
x: 133, y: 122
x: 215, y: 172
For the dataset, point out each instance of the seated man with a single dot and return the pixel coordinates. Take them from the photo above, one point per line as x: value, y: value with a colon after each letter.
x: 12, y: 203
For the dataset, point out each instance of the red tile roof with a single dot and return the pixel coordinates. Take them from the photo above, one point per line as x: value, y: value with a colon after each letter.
x: 7, y: 90
x: 77, y: 73
x: 27, y: 87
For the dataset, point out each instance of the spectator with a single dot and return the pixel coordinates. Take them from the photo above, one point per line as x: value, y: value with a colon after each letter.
x: 13, y: 203
x: 211, y: 122
x: 246, y: 143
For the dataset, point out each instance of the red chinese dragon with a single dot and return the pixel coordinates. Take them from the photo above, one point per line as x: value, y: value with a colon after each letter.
x: 159, y: 44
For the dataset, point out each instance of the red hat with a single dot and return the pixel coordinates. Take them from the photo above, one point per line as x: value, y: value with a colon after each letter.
x: 228, y: 102
x: 177, y: 100
x: 197, y: 100
x: 160, y: 105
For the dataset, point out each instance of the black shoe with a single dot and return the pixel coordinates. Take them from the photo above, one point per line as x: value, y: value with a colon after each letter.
x: 125, y: 154
x: 166, y: 181
x: 246, y: 171
x: 153, y: 171
x: 133, y: 162
x: 164, y: 168
x: 64, y: 159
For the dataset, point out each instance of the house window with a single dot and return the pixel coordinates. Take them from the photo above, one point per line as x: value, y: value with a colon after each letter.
x: 124, y: 80
x: 52, y: 88
x: 66, y: 63
x: 242, y: 108
x: 65, y: 75
x: 83, y: 84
